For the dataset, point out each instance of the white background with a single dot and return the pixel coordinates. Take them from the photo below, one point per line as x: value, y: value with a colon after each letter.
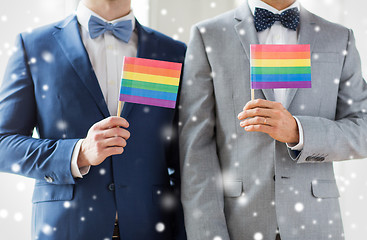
x: 174, y: 18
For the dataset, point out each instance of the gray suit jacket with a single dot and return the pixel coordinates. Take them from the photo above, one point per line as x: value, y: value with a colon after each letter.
x: 241, y: 186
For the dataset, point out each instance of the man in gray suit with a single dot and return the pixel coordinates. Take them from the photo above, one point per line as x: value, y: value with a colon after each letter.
x: 263, y: 169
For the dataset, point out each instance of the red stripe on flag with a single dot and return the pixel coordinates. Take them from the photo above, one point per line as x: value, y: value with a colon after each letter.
x: 153, y: 63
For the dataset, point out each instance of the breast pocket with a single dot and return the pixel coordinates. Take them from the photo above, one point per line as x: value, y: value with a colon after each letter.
x: 52, y: 192
x: 232, y: 189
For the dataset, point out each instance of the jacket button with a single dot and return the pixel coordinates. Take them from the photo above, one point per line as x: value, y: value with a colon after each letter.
x: 111, y: 187
x: 49, y: 179
x: 274, y: 178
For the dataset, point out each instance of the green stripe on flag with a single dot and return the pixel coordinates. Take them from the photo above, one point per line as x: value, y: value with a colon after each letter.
x: 280, y: 70
x: 149, y: 86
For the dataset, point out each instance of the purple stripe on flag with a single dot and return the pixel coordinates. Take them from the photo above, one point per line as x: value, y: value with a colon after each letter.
x: 148, y: 101
x: 270, y: 85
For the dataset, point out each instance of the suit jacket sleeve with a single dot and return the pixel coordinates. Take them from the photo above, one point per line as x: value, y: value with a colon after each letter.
x: 202, y: 185
x: 345, y: 137
x: 20, y: 153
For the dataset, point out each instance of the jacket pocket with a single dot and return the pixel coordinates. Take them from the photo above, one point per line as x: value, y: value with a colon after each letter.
x: 232, y: 188
x: 325, y: 189
x: 52, y: 192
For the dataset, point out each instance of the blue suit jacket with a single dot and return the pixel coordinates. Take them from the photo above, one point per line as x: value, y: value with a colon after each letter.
x: 59, y: 95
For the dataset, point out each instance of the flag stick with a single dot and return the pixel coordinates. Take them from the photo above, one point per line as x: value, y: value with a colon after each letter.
x: 119, y: 109
x: 252, y: 94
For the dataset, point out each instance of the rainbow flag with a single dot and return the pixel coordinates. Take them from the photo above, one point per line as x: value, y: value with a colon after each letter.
x: 280, y: 66
x: 150, y: 82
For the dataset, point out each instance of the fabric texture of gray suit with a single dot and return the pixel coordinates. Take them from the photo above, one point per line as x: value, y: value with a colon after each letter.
x: 241, y: 186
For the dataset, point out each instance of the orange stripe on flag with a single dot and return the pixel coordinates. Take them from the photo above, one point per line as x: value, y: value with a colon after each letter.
x: 152, y: 70
x: 280, y: 55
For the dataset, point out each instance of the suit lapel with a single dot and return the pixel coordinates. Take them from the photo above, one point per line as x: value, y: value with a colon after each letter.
x: 307, y: 35
x: 147, y: 44
x: 247, y: 35
x: 69, y: 39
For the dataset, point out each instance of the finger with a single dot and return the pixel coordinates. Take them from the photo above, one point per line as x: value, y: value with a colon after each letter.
x: 113, y: 151
x: 116, y: 132
x: 262, y: 103
x: 259, y: 128
x: 256, y: 121
x: 256, y: 112
x: 114, y: 142
x: 112, y: 122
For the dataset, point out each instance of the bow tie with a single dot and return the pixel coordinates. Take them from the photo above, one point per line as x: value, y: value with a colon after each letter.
x: 265, y: 19
x: 122, y: 30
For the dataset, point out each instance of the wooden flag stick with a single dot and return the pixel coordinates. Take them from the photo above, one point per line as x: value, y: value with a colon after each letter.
x: 119, y: 109
x: 252, y: 94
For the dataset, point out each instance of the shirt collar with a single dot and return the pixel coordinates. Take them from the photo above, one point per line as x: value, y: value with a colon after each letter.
x: 83, y: 15
x: 253, y: 4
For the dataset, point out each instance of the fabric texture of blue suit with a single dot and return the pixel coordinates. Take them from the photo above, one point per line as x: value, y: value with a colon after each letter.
x: 61, y: 97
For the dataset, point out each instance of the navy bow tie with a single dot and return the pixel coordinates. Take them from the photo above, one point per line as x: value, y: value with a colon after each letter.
x: 122, y: 30
x: 265, y: 19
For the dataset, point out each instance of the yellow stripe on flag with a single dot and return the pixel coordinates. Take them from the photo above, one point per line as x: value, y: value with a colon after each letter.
x: 151, y: 78
x: 280, y: 62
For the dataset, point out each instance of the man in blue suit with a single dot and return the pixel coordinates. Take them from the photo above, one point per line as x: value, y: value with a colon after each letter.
x: 97, y: 176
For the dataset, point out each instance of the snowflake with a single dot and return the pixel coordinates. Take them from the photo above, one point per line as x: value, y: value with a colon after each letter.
x: 61, y: 125
x: 254, y: 214
x: 4, y: 18
x: 243, y: 200
x: 46, y: 229
x: 258, y: 236
x: 202, y: 29
x: 164, y: 12
x: 3, y: 213
x: 15, y: 167
x: 18, y: 217
x: 47, y: 56
x: 208, y: 49
x: 213, y: 4
x: 102, y: 171
x: 82, y: 219
x: 298, y: 207
x: 175, y: 37
x: 32, y: 60
x: 146, y: 109
x: 242, y: 32
x: 45, y: 87
x: 94, y: 197
x: 336, y: 80
x: 90, y: 209
x: 317, y: 29
x: 194, y: 118
x: 159, y: 227
x: 197, y: 213
x: 180, y: 30
x: 217, y: 238
x: 67, y: 204
x: 21, y: 186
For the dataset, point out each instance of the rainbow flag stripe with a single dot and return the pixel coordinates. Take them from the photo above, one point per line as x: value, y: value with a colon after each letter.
x: 150, y: 82
x: 280, y: 66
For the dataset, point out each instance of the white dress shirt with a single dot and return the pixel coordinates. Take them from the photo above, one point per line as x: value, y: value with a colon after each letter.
x: 106, y: 53
x: 278, y: 34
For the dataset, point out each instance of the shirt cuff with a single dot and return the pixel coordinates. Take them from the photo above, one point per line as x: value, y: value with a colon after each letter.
x: 299, y: 146
x: 75, y: 170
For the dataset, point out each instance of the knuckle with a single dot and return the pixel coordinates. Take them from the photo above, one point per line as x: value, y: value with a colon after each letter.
x: 128, y: 134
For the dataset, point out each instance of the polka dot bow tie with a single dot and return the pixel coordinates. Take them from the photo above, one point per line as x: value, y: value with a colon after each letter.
x: 265, y: 19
